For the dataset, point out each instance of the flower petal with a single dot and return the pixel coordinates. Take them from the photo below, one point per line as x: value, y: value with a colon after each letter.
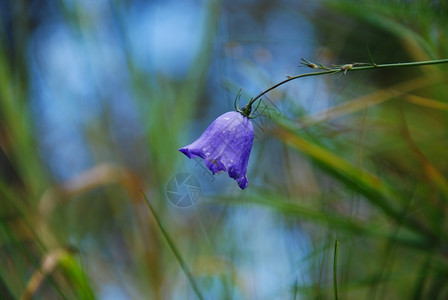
x: 225, y: 146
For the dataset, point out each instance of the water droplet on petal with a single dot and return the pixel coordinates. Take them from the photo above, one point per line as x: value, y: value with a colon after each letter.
x: 207, y: 153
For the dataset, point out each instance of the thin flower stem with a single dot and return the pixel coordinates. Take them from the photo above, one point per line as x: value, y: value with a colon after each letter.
x: 349, y: 67
x: 289, y: 79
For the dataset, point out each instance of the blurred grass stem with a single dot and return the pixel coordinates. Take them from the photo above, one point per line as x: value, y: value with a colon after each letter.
x: 335, y: 270
x: 176, y: 252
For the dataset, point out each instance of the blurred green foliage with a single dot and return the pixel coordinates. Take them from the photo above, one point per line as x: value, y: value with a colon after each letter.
x: 369, y: 171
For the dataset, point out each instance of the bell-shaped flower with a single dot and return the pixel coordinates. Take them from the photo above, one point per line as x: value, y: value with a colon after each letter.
x: 225, y: 146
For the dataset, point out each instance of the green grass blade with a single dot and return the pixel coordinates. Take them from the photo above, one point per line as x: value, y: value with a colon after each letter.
x: 335, y: 270
x: 288, y: 208
x: 375, y: 190
x: 176, y: 252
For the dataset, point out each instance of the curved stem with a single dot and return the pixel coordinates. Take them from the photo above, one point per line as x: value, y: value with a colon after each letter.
x: 289, y: 79
x: 350, y: 67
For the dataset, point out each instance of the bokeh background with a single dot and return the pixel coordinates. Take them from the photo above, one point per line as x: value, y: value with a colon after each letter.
x: 97, y: 96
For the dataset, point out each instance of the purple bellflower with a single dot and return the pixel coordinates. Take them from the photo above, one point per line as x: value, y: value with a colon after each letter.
x: 225, y: 145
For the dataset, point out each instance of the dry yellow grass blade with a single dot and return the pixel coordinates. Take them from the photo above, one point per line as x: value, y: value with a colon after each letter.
x: 372, y: 99
x: 98, y: 176
x: 430, y: 171
x: 49, y: 263
x: 426, y: 102
x: 371, y: 187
